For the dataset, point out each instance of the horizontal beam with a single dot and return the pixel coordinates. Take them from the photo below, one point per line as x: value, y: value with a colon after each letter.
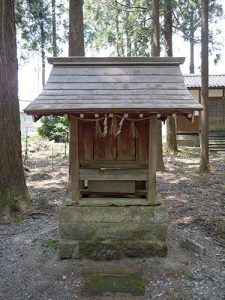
x: 113, y: 177
x: 76, y: 60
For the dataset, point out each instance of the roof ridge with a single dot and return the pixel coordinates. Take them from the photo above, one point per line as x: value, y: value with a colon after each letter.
x: 195, y: 75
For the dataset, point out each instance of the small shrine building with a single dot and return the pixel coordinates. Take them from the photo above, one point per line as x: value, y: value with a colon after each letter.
x: 113, y: 106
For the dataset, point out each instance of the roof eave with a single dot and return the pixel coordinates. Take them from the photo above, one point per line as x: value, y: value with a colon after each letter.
x: 79, y: 60
x: 166, y: 111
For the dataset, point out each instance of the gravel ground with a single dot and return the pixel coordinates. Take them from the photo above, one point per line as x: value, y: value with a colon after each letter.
x: 30, y: 267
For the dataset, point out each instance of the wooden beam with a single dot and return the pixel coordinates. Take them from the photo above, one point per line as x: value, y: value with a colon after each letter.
x: 152, y: 160
x: 74, y: 160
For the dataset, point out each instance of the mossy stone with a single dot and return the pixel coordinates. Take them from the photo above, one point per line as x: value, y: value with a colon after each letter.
x: 97, y: 284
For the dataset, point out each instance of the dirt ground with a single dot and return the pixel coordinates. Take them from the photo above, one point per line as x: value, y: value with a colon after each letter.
x: 195, y: 265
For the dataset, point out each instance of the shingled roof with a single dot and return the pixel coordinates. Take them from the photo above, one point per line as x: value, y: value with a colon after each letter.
x: 81, y: 84
x: 194, y: 81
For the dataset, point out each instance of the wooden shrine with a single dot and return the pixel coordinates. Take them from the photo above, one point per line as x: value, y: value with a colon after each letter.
x: 188, y: 133
x: 113, y: 105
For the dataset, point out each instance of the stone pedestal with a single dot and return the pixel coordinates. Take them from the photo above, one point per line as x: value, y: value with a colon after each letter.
x: 110, y: 232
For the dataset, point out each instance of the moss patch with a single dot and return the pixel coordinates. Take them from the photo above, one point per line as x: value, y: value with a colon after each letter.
x: 101, y: 283
x: 14, y: 201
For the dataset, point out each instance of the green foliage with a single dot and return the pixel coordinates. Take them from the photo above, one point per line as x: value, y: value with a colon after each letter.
x: 122, y: 26
x: 187, y: 21
x: 54, y: 128
x: 34, y: 26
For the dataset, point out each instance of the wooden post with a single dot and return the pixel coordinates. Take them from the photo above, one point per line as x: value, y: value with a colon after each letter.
x: 74, y: 160
x: 152, y: 159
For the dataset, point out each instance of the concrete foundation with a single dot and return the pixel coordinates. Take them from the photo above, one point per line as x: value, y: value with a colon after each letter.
x: 107, y: 233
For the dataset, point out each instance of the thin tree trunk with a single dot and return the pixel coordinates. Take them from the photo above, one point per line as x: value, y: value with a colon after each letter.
x: 171, y: 136
x: 42, y: 53
x: 192, y: 66
x: 54, y: 35
x: 129, y: 49
x: 155, y: 51
x: 76, y: 31
x: 128, y: 38
x: 204, y: 138
x: 13, y: 192
x: 117, y: 30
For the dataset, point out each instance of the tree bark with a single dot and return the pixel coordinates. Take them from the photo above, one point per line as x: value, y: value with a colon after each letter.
x: 119, y: 44
x: 13, y: 192
x: 76, y: 31
x: 76, y: 48
x: 192, y: 66
x: 42, y: 53
x: 54, y: 35
x: 117, y: 30
x: 204, y: 117
x: 155, y: 51
x: 171, y: 136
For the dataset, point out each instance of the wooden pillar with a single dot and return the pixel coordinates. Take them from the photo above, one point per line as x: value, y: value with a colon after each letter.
x: 152, y: 159
x: 74, y: 160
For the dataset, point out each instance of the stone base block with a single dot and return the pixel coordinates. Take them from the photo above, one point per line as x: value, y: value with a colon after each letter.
x: 109, y: 233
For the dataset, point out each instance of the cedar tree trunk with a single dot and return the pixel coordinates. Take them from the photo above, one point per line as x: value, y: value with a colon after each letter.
x: 204, y: 138
x: 76, y: 48
x: 13, y: 192
x: 155, y: 51
x: 54, y: 36
x: 192, y: 66
x: 76, y: 31
x: 171, y: 136
x: 42, y: 53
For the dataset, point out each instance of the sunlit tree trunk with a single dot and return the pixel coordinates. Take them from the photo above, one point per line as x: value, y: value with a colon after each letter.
x: 117, y: 30
x: 204, y: 138
x: 42, y: 53
x: 13, y: 192
x: 155, y: 51
x: 192, y: 45
x: 76, y: 28
x: 171, y: 138
x: 54, y: 35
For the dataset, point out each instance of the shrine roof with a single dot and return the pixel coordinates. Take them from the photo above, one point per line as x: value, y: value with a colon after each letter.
x: 114, y: 84
x: 215, y: 81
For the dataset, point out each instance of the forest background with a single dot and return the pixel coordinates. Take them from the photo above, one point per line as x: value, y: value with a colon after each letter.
x: 101, y: 36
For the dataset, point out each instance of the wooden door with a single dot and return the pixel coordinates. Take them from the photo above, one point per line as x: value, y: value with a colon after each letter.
x: 123, y: 149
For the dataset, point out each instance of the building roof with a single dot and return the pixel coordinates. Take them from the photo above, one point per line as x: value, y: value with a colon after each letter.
x: 194, y: 81
x: 81, y: 84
